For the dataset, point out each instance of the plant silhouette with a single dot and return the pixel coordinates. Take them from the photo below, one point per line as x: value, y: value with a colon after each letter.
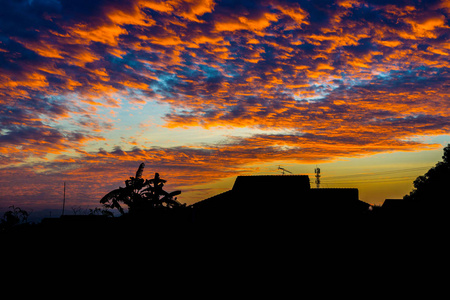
x: 141, y: 195
x: 13, y: 217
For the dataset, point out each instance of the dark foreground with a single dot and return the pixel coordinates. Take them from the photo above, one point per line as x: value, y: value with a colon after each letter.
x: 280, y: 253
x: 369, y: 227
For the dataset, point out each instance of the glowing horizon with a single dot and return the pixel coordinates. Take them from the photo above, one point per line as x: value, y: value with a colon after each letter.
x: 204, y: 90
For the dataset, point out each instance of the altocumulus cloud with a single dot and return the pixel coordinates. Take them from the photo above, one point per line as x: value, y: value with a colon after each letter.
x: 328, y: 79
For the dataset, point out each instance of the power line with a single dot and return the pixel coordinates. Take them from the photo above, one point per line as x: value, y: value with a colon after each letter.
x: 375, y: 177
x: 381, y: 180
x: 377, y: 173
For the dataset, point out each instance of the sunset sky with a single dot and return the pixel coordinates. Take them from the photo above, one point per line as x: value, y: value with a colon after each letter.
x: 204, y: 90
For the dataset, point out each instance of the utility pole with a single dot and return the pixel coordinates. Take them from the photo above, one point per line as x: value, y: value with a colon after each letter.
x: 64, y: 199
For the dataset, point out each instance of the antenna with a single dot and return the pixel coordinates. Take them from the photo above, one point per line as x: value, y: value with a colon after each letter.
x: 64, y: 199
x: 283, y: 170
x: 317, y: 171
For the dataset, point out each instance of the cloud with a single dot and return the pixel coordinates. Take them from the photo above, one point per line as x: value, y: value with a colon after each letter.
x: 90, y: 175
x: 337, y: 77
x: 190, y: 9
x: 20, y: 142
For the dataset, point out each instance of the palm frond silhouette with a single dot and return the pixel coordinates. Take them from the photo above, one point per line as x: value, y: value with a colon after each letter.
x: 140, y: 195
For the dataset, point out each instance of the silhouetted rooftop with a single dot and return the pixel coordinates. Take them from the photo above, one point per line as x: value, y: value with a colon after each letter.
x: 272, y: 182
x: 393, y: 203
x: 260, y: 198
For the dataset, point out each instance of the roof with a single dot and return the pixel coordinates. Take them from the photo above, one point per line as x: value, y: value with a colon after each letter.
x: 277, y: 196
x: 337, y: 193
x: 262, y: 188
x: 393, y: 203
x: 219, y: 199
x: 271, y: 182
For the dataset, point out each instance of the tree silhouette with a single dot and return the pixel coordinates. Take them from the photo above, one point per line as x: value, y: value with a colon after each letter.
x: 13, y: 217
x: 141, y: 195
x: 434, y: 186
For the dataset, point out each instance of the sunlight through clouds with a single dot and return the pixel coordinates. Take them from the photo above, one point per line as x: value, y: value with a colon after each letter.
x: 208, y: 89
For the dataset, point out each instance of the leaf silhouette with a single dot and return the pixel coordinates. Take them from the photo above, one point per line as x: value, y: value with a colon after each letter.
x: 140, y: 171
x: 111, y: 200
x: 141, y: 194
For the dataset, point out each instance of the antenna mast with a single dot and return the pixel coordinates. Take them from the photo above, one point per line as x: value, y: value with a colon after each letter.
x: 64, y: 198
x: 283, y: 170
x: 317, y: 171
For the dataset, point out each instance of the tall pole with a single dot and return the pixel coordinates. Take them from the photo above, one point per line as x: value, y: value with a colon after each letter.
x: 64, y: 199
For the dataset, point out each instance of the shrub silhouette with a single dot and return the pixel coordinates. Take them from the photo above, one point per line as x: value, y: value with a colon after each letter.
x: 141, y: 195
x: 13, y: 217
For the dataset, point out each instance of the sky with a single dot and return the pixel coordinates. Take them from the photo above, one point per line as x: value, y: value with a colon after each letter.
x: 202, y: 91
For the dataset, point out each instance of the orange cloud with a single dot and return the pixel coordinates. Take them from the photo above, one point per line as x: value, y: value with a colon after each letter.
x: 295, y: 12
x: 197, y: 8
x: 133, y: 17
x: 107, y: 34
x: 390, y: 44
x: 43, y: 49
x: 425, y: 26
x: 92, y: 174
x: 348, y: 3
x: 345, y: 79
x: 190, y: 9
x: 246, y: 22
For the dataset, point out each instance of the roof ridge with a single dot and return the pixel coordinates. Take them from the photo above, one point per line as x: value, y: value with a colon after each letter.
x: 338, y: 188
x: 290, y: 175
x: 215, y: 196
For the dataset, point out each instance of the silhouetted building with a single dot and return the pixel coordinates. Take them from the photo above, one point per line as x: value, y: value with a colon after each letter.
x: 342, y: 200
x: 275, y: 198
x: 393, y: 204
x: 398, y: 208
x: 284, y: 184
